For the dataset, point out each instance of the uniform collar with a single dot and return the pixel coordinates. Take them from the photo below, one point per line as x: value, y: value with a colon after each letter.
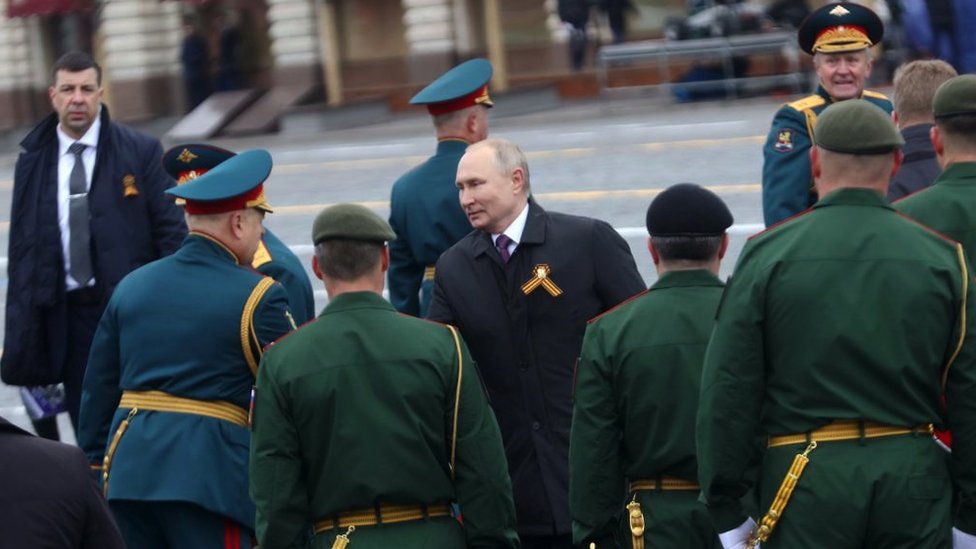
x: 692, y: 277
x: 957, y: 171
x: 357, y: 300
x: 853, y: 197
x: 449, y: 145
x: 204, y: 241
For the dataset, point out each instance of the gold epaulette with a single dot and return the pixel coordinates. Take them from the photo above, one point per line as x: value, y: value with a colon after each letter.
x: 876, y: 95
x: 261, y: 256
x: 806, y: 103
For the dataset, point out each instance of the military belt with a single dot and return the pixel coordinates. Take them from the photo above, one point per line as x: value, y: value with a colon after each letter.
x: 158, y: 401
x: 382, y: 514
x: 663, y: 483
x: 848, y: 429
x: 429, y: 272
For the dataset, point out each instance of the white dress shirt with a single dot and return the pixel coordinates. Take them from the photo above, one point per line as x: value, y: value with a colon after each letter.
x: 514, y: 231
x: 66, y: 163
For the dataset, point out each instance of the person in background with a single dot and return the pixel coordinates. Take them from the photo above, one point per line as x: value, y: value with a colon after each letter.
x: 88, y: 207
x: 915, y: 85
x: 424, y: 210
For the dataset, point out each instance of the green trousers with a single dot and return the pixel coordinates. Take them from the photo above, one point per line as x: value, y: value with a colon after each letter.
x: 891, y: 492
x: 673, y: 519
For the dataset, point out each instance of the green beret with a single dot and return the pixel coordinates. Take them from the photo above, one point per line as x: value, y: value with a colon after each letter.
x: 350, y: 222
x: 856, y: 126
x: 955, y: 96
x: 687, y: 209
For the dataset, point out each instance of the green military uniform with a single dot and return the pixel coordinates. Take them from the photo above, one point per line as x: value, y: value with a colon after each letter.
x: 637, y: 384
x: 948, y: 206
x: 424, y: 209
x: 852, y: 317
x: 169, y: 379
x: 787, y: 184
x: 354, y: 413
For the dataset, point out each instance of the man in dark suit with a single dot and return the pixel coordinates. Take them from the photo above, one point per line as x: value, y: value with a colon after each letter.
x: 48, y: 497
x: 521, y: 288
x: 88, y: 207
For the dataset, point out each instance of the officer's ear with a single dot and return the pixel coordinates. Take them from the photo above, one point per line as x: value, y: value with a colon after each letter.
x: 236, y: 223
x: 724, y: 247
x: 385, y: 261
x: 655, y: 255
x: 316, y: 268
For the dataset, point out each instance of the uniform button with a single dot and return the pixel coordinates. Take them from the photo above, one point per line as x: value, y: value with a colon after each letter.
x: 536, y: 426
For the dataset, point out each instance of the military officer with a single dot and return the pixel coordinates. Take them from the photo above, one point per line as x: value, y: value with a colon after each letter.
x: 164, y: 408
x: 637, y: 384
x: 187, y: 162
x: 424, y: 210
x: 370, y: 424
x: 836, y: 337
x: 950, y: 205
x: 838, y: 36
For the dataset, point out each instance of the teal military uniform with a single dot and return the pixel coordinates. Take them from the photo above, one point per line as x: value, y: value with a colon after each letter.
x: 428, y: 219
x: 364, y: 411
x: 848, y: 312
x: 787, y: 184
x: 273, y: 258
x: 169, y: 380
x: 637, y: 384
x: 425, y: 211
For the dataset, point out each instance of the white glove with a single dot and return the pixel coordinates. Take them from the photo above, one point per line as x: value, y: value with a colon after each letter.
x: 962, y: 540
x: 736, y: 539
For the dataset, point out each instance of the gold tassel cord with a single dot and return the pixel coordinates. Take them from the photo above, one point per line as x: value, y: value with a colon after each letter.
x: 782, y: 498
x: 107, y: 462
x: 636, y: 519
x: 342, y: 540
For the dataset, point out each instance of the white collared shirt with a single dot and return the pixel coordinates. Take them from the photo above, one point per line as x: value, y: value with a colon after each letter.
x: 514, y: 231
x: 66, y: 163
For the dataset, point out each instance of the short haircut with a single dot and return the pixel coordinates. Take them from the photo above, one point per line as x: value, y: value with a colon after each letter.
x: 915, y: 85
x: 348, y: 260
x: 687, y: 248
x: 959, y: 129
x: 508, y: 158
x: 75, y: 61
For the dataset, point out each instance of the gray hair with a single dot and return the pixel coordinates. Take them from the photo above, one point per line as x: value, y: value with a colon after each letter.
x: 508, y: 158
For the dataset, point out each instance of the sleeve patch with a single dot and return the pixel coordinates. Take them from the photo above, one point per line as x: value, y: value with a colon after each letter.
x: 784, y: 141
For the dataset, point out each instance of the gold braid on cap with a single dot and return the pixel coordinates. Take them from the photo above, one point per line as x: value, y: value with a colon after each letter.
x: 842, y: 38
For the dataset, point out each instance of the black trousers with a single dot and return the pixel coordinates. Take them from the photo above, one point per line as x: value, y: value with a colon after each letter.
x: 85, y: 308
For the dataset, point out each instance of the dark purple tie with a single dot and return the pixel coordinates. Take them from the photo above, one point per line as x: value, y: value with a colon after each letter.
x: 502, y: 243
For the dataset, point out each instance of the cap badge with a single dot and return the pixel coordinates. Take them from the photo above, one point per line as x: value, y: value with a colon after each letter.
x: 839, y: 11
x: 540, y: 277
x: 186, y: 156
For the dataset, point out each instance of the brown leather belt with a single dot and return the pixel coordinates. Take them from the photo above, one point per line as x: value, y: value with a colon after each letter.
x: 848, y: 429
x: 382, y: 514
x: 663, y: 483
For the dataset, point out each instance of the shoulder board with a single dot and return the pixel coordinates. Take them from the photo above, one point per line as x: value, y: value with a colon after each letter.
x: 928, y: 229
x: 617, y: 306
x: 876, y: 95
x: 261, y: 256
x: 807, y: 102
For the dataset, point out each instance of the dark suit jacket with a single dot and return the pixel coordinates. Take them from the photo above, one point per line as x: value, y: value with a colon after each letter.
x: 127, y: 230
x: 49, y: 499
x: 920, y: 167
x: 527, y: 345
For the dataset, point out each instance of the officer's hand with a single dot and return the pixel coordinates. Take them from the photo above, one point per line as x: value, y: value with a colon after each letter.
x: 962, y: 540
x: 738, y: 538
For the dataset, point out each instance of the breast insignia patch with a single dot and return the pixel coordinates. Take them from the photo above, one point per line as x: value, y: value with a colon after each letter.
x: 784, y: 141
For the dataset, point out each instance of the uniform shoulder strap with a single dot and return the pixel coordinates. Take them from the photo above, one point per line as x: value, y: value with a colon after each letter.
x: 249, y: 338
x: 876, y: 95
x: 261, y: 256
x: 457, y: 395
x: 806, y: 103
